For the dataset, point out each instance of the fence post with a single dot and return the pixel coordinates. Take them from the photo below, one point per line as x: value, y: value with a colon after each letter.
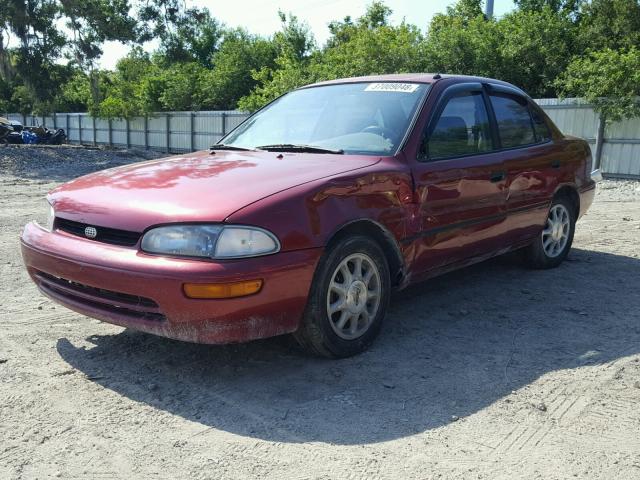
x: 146, y: 132
x: 599, y: 141
x: 127, y: 130
x: 224, y: 123
x: 167, y: 125
x: 43, y: 120
x: 192, y: 133
x: 24, y: 119
x: 55, y: 123
x: 67, y: 131
x: 110, y: 134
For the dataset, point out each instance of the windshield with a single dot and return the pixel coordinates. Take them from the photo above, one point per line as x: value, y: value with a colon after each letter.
x: 354, y: 118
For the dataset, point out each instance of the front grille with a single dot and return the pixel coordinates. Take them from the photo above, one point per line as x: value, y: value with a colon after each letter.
x: 113, y: 236
x: 109, y: 301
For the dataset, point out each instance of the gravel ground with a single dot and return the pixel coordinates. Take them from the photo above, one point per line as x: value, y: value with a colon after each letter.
x: 491, y: 372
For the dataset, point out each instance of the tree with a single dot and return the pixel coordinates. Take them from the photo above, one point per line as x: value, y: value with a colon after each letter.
x: 613, y: 24
x: 27, y: 65
x: 185, y: 34
x: 462, y: 41
x: 231, y: 77
x: 371, y: 46
x: 126, y: 89
x: 367, y: 46
x: 569, y: 7
x: 607, y: 79
x: 294, y: 45
x: 534, y: 47
x: 465, y: 10
x: 75, y: 94
x: 93, y: 22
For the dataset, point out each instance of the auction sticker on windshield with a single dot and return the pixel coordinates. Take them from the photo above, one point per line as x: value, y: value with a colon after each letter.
x: 392, y: 87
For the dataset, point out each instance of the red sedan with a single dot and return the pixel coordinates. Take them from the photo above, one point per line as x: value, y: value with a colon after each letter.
x: 305, y: 217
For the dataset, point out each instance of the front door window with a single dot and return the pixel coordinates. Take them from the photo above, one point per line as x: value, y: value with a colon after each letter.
x: 462, y: 128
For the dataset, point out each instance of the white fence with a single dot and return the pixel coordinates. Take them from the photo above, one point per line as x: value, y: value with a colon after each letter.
x: 169, y: 132
x: 189, y: 131
x: 620, y: 141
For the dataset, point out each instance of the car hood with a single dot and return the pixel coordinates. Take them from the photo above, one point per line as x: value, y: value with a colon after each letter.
x: 198, y: 187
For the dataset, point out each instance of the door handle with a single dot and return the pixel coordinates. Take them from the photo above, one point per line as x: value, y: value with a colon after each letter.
x: 496, y: 177
x: 555, y: 164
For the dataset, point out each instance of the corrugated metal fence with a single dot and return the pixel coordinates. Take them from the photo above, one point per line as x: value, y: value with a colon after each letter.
x: 189, y: 131
x: 169, y: 132
x: 620, y: 140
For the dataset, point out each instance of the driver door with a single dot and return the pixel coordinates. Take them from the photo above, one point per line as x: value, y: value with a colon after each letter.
x: 460, y: 182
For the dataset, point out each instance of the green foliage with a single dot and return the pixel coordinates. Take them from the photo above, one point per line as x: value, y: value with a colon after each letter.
x: 570, y: 7
x: 232, y: 77
x: 368, y: 46
x: 534, y: 47
x: 609, y: 79
x: 547, y: 47
x: 373, y: 49
x: 32, y: 24
x: 465, y: 10
x: 185, y: 35
x: 75, y: 94
x: 291, y: 66
x: 460, y: 43
x: 611, y: 24
x: 22, y: 99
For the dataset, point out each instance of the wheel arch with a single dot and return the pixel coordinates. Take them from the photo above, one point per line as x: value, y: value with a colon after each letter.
x: 571, y: 193
x: 382, y: 237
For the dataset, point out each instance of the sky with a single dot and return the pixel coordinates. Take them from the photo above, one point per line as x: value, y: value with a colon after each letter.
x: 261, y: 16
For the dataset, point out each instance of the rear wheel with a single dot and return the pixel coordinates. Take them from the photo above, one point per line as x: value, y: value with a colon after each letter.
x: 553, y: 243
x: 348, y: 299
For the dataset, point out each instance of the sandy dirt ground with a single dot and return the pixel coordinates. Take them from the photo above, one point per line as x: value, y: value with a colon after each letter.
x: 491, y: 372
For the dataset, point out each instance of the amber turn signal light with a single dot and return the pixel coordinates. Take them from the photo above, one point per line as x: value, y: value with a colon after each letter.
x: 222, y: 290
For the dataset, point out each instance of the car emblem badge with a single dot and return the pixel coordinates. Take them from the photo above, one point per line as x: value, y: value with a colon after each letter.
x: 90, y: 232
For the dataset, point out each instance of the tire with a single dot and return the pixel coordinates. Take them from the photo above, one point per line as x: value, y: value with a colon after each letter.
x: 553, y: 243
x: 363, y: 301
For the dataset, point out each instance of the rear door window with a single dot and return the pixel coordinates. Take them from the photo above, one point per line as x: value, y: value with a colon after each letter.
x: 515, y: 127
x: 462, y: 128
x: 540, y: 126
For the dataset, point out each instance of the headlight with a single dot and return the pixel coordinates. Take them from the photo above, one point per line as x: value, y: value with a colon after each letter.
x: 210, y: 241
x: 45, y: 219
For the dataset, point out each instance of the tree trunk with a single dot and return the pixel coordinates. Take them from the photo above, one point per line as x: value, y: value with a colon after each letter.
x: 599, y: 141
x: 94, y: 85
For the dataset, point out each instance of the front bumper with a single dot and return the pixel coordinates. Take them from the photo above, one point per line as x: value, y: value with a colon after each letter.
x: 126, y: 287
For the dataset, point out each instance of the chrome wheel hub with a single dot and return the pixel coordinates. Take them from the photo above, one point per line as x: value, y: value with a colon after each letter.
x: 556, y: 232
x: 353, y: 298
x: 356, y: 300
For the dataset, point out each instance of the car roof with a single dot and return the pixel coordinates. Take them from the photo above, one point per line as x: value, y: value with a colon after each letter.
x: 413, y: 78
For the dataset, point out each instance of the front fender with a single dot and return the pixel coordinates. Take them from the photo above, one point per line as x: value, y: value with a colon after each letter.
x: 307, y: 216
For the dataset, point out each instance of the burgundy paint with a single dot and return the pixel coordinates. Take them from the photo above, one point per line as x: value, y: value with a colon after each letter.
x: 304, y: 199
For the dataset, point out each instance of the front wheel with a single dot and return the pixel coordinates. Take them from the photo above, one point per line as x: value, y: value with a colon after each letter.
x: 553, y: 243
x: 348, y: 299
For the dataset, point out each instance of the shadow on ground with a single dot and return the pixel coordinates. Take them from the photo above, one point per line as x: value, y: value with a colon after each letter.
x: 451, y: 346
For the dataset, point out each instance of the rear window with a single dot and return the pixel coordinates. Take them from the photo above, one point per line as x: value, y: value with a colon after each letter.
x: 514, y: 121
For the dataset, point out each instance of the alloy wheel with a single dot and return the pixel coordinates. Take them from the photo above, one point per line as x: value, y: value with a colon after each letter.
x: 556, y: 232
x: 353, y: 297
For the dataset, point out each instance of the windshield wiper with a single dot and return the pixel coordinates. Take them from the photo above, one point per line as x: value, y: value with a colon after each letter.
x: 291, y: 147
x: 222, y: 146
